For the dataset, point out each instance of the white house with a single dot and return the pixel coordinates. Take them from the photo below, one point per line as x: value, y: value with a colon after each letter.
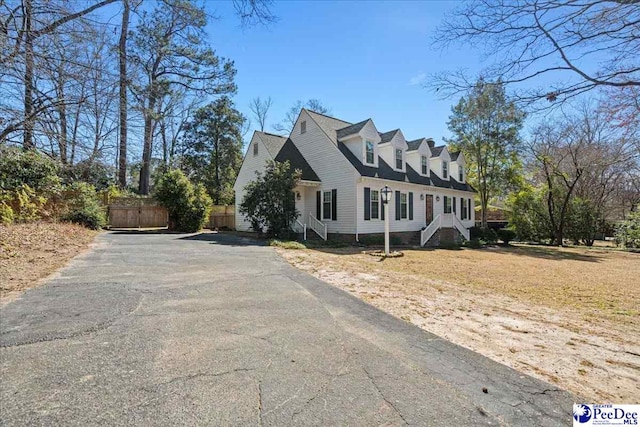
x: 344, y: 166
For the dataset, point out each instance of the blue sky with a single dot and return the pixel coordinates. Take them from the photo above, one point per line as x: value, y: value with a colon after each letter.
x: 361, y: 59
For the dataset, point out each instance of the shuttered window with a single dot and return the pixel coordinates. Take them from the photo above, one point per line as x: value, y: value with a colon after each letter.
x: 463, y: 208
x: 326, y: 205
x: 403, y: 206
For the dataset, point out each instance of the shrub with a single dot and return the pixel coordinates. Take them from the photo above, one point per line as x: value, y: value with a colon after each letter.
x: 506, y: 235
x: 82, y: 206
x: 484, y: 235
x: 188, y: 206
x: 24, y: 203
x: 628, y: 231
x: 269, y: 202
x: 6, y: 214
x: 20, y: 167
x: 474, y: 243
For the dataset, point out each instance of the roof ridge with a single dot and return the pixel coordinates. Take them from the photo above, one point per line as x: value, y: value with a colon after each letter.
x: 270, y: 134
x: 327, y: 116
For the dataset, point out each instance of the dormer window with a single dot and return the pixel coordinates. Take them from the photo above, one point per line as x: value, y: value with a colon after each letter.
x: 424, y: 165
x: 303, y: 127
x: 461, y: 173
x: 255, y: 148
x: 398, y: 158
x: 445, y: 170
x: 369, y: 152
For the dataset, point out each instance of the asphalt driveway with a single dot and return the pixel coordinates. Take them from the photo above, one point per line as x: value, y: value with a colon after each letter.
x: 167, y: 329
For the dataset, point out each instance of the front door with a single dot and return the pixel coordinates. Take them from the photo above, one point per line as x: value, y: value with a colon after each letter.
x: 429, y: 209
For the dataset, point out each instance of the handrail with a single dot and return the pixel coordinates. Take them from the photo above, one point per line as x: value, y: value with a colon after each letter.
x: 426, y: 234
x: 302, y: 228
x: 461, y: 228
x: 318, y: 226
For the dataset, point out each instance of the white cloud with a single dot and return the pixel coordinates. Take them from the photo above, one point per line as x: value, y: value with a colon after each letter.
x: 418, y: 79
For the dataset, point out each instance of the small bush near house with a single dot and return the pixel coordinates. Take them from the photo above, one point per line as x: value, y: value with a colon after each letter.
x: 82, y: 206
x: 188, y: 205
x: 506, y: 235
x: 474, y: 243
x: 269, y: 202
x: 628, y: 231
x: 484, y: 235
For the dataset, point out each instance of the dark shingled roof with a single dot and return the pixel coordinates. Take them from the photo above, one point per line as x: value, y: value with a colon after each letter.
x: 430, y: 142
x: 454, y: 155
x: 387, y: 136
x: 384, y: 171
x: 291, y: 153
x: 435, y: 151
x: 415, y: 144
x: 351, y: 130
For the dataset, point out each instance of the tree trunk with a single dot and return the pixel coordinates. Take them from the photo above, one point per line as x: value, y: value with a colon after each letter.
x: 62, y: 114
x: 28, y: 77
x: 122, y: 51
x: 145, y: 172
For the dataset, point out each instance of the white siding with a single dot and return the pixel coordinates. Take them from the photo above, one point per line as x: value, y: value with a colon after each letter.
x: 247, y: 173
x: 419, y: 206
x: 333, y: 169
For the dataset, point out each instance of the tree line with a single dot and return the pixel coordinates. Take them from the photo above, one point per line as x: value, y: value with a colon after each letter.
x: 95, y: 84
x: 576, y: 168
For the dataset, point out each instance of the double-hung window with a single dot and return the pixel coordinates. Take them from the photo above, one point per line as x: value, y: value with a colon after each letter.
x: 369, y: 152
x: 398, y: 158
x: 255, y: 148
x: 447, y: 204
x: 403, y: 205
x: 463, y: 208
x: 326, y: 205
x: 375, y: 204
x: 460, y: 174
x: 445, y: 170
x: 424, y: 165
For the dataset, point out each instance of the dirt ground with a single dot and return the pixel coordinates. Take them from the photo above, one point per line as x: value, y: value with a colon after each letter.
x: 566, y: 315
x: 31, y: 252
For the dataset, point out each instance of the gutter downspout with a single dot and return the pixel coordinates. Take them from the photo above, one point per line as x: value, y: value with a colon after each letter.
x: 356, y: 209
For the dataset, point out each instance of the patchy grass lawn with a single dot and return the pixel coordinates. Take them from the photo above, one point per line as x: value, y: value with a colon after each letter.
x: 30, y: 252
x: 570, y: 316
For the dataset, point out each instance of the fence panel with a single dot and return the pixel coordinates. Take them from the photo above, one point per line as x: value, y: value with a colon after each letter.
x: 132, y: 212
x: 222, y: 217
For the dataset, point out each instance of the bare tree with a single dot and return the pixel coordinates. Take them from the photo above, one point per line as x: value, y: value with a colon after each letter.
x: 583, y: 45
x: 28, y: 21
x: 260, y: 109
x: 289, y: 121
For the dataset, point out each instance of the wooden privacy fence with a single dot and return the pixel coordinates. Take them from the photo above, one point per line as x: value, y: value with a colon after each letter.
x: 136, y: 212
x: 222, y: 217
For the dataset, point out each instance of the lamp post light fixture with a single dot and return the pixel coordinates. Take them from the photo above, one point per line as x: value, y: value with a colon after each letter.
x: 386, y: 192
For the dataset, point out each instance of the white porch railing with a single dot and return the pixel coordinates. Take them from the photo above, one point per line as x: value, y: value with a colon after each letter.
x: 299, y: 227
x: 318, y: 226
x: 461, y: 228
x: 426, y: 234
x: 445, y: 220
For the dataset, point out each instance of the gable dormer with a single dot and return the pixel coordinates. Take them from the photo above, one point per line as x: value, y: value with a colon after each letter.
x: 458, y: 166
x: 418, y: 154
x: 441, y: 162
x: 393, y: 149
x: 362, y: 139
